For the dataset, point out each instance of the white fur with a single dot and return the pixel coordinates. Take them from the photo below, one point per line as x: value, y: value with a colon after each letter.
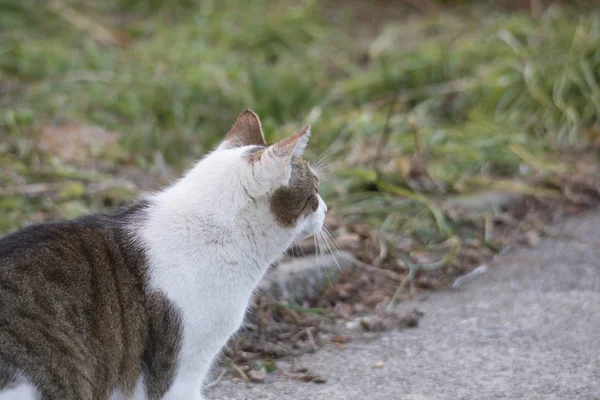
x: 22, y: 391
x: 210, y: 238
x: 302, y: 143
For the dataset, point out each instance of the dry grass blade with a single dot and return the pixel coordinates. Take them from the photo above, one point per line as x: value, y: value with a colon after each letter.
x: 436, y: 211
x: 96, y: 30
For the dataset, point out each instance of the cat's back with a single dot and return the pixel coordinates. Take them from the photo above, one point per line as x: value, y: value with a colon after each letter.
x: 56, y: 257
x: 72, y: 316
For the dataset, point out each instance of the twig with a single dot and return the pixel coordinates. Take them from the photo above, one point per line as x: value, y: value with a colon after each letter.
x: 371, y: 268
x: 461, y: 280
x: 390, y: 274
x: 437, y: 212
x: 305, y: 377
x: 297, y: 335
x: 414, y: 268
x: 488, y: 228
x: 385, y: 133
x: 383, y: 248
x: 111, y: 184
x: 241, y: 373
x: 441, y: 89
x: 293, y: 314
x: 311, y: 339
x: 262, y: 317
x: 415, y: 133
x: 213, y: 383
x: 300, y: 378
x: 74, y: 17
x: 34, y: 189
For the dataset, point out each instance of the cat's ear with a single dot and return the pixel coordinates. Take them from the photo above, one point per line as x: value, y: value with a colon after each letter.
x: 273, y: 166
x: 246, y: 131
x: 294, y: 145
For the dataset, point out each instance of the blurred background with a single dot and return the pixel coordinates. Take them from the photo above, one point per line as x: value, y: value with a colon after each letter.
x: 447, y: 130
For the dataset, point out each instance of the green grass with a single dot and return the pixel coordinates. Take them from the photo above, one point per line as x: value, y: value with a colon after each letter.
x: 482, y: 94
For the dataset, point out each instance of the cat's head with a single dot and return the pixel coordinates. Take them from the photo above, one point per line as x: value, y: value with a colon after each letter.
x: 277, y: 175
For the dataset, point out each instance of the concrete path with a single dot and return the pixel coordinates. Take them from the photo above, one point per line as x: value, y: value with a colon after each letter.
x: 529, y: 329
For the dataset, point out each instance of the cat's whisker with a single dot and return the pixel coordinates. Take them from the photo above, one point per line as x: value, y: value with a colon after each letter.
x: 318, y: 256
x: 328, y: 231
x: 323, y: 259
x: 330, y: 247
x: 333, y: 245
x: 322, y: 170
x: 325, y: 154
x: 321, y: 162
x: 297, y: 248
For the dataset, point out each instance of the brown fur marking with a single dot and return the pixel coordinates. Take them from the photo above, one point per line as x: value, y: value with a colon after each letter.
x: 75, y: 318
x: 299, y: 198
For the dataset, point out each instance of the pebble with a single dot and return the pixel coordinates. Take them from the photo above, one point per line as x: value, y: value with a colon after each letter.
x: 372, y: 323
x: 257, y: 376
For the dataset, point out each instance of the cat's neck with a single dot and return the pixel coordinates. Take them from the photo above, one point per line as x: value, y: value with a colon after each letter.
x: 211, y: 228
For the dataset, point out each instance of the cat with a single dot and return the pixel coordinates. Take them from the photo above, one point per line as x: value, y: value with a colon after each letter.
x: 138, y: 304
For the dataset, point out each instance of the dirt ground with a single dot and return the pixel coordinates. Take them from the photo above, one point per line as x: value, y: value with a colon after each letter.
x: 526, y: 330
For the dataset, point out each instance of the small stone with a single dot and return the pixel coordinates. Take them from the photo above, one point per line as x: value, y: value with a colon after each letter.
x: 326, y: 337
x: 379, y: 364
x: 411, y: 319
x: 353, y: 325
x: 532, y: 238
x: 340, y: 339
x: 359, y: 308
x: 301, y: 278
x: 373, y: 299
x: 246, y: 344
x: 300, y: 344
x: 343, y: 310
x: 372, y: 324
x: 276, y: 350
x: 247, y: 355
x: 257, y: 376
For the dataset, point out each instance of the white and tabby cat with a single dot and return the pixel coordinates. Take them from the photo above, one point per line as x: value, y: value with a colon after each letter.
x: 138, y: 304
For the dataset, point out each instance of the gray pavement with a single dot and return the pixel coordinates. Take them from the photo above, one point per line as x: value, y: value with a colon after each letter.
x: 528, y: 329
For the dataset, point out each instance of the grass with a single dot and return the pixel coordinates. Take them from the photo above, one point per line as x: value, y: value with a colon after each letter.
x: 471, y: 97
